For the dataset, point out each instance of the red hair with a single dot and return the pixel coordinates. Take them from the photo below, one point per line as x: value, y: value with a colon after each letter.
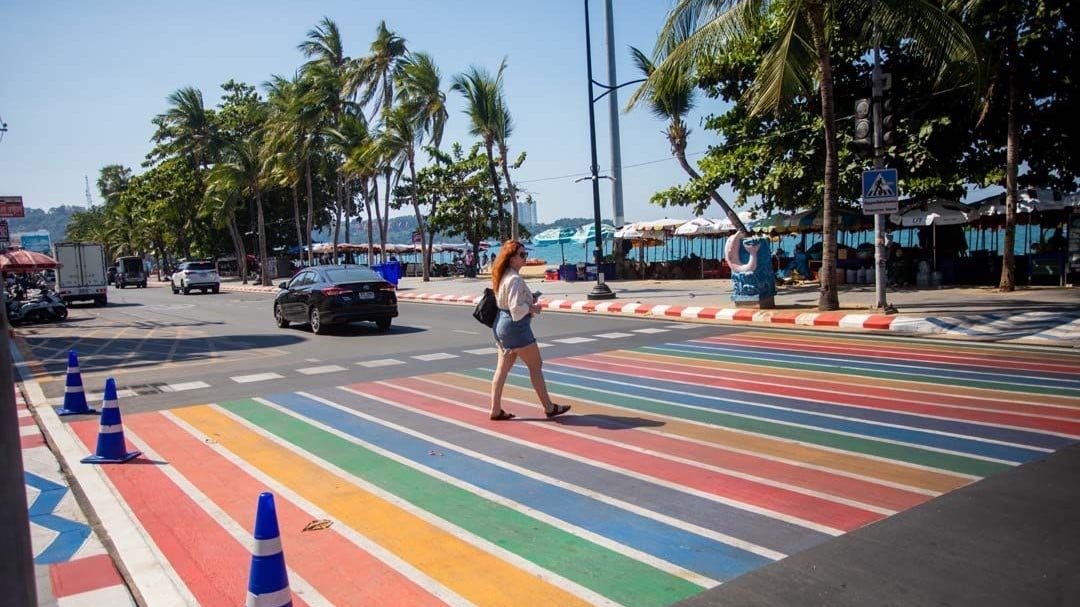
x: 507, y: 251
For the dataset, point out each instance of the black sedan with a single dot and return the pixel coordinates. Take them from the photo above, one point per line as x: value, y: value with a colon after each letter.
x: 321, y: 296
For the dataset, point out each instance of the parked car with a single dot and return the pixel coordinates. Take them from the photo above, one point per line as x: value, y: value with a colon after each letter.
x: 322, y: 296
x: 200, y: 275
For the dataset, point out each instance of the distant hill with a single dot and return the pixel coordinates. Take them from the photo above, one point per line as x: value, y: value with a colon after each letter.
x: 55, y: 220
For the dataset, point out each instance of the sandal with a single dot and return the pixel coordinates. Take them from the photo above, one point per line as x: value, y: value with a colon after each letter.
x: 557, y: 410
x: 503, y: 415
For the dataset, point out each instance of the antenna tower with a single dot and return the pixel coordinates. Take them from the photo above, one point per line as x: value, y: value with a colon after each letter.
x: 89, y: 200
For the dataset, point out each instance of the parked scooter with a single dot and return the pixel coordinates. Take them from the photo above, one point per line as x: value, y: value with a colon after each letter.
x: 45, y: 306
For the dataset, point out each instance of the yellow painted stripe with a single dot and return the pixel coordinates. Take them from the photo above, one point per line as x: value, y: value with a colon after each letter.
x: 474, y: 574
x: 851, y: 463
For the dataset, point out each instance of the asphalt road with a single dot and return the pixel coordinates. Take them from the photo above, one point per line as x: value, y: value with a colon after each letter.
x: 167, y: 350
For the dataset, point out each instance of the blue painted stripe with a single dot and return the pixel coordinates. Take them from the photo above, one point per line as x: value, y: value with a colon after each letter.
x: 685, y: 549
x: 687, y: 394
x: 72, y: 534
x: 916, y: 372
x: 973, y: 429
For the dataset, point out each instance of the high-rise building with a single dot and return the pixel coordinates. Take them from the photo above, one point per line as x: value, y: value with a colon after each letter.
x: 526, y: 212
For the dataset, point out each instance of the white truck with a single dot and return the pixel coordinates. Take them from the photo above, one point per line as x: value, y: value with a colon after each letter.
x: 83, y: 274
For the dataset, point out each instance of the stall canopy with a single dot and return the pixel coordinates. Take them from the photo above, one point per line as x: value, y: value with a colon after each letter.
x: 22, y: 260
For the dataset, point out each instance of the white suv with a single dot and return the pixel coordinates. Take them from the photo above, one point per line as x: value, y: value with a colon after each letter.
x: 195, y: 275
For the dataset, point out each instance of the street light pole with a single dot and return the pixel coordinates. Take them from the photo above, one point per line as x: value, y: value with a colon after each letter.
x: 600, y: 290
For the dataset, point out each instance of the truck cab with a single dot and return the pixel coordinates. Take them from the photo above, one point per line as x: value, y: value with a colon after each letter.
x: 129, y: 271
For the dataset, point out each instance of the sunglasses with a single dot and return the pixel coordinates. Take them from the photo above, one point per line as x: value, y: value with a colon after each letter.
x: 523, y: 254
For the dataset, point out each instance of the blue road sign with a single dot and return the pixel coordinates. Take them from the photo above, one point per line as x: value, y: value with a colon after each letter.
x: 879, y: 185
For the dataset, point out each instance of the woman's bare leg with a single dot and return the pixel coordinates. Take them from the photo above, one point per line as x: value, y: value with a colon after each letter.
x: 531, y: 355
x: 502, y: 370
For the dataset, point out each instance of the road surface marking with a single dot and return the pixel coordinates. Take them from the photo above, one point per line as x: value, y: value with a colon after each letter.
x: 650, y: 330
x: 319, y: 370
x: 181, y: 387
x: 435, y: 356
x: 247, y: 379
x: 573, y: 340
x: 483, y: 351
x: 382, y: 362
x: 615, y: 335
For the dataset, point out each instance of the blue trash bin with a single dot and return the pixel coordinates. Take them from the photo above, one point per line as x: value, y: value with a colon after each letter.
x: 568, y: 272
x: 390, y: 271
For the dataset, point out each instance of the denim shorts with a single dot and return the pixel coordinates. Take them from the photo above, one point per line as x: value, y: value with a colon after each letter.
x: 512, y: 334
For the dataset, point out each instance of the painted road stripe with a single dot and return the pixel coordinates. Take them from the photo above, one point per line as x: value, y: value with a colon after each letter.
x: 246, y: 379
x: 342, y: 572
x: 650, y: 330
x: 615, y: 335
x: 832, y: 401
x: 918, y: 447
x: 703, y: 425
x: 526, y: 487
x: 185, y: 386
x: 816, y: 512
x: 460, y: 524
x: 320, y: 370
x: 574, y: 340
x: 382, y: 362
x: 435, y: 356
x: 860, y: 494
x: 482, y: 351
x: 210, y: 562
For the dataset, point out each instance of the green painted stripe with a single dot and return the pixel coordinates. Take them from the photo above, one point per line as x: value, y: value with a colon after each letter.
x: 618, y: 577
x: 832, y: 369
x: 867, y: 446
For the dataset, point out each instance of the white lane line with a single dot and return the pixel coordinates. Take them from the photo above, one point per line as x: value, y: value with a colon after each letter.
x: 465, y: 332
x: 97, y: 397
x: 435, y: 356
x: 181, y: 387
x: 313, y: 360
x: 382, y: 362
x: 319, y: 370
x: 615, y: 335
x: 573, y: 340
x: 683, y: 325
x: 482, y: 351
x: 247, y: 379
x: 541, y: 344
x: 650, y: 330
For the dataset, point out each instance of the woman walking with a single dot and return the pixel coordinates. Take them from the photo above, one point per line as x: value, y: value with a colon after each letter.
x: 513, y: 330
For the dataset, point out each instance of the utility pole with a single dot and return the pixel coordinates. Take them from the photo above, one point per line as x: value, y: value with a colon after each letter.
x: 89, y: 200
x: 877, y: 91
x: 613, y: 110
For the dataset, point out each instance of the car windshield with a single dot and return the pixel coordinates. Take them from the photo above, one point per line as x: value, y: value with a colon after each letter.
x: 131, y: 265
x: 346, y: 275
x: 200, y: 265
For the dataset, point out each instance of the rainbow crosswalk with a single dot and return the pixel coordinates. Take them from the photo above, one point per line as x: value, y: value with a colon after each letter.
x: 683, y: 465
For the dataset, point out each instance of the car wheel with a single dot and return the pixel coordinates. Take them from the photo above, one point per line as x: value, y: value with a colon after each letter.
x: 279, y: 317
x: 184, y: 288
x: 216, y: 289
x: 101, y: 301
x: 383, y: 323
x: 317, y: 326
x: 60, y: 313
x: 172, y: 286
x: 142, y: 285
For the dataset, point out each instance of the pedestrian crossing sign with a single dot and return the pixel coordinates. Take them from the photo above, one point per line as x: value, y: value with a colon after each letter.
x: 879, y: 191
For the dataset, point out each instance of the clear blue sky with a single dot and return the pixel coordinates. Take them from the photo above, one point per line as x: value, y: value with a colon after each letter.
x: 81, y: 81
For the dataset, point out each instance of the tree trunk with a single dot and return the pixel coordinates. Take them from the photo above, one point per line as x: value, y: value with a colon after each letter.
x: 264, y: 275
x: 337, y: 218
x: 310, y: 210
x: 371, y: 199
x: 384, y: 225
x: 828, y: 299
x: 1012, y: 162
x: 498, y: 191
x: 238, y: 246
x: 296, y: 217
x: 731, y: 215
x: 419, y: 218
x: 511, y: 191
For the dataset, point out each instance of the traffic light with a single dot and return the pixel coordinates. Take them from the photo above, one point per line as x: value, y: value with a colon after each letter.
x: 863, y: 141
x: 888, y: 122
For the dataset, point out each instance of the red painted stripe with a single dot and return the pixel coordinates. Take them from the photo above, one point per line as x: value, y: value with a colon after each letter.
x: 615, y: 307
x: 708, y: 313
x: 830, y: 392
x: 31, y: 441
x: 674, y: 311
x: 83, y: 575
x: 810, y: 508
x: 785, y: 317
x: 878, y: 321
x: 212, y: 564
x: 746, y: 315
x: 27, y: 421
x: 890, y: 352
x: 829, y: 319
x: 343, y: 572
x: 590, y: 306
x: 644, y: 308
x: 829, y: 483
x: 565, y: 305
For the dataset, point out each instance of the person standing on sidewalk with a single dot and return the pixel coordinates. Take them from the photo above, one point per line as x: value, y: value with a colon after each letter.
x: 513, y: 330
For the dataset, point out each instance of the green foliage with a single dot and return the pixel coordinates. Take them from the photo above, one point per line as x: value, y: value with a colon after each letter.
x: 55, y: 220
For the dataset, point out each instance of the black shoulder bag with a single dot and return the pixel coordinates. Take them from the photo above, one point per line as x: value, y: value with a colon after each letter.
x: 486, y: 309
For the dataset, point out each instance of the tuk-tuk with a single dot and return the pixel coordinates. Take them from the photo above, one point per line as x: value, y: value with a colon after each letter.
x: 130, y: 271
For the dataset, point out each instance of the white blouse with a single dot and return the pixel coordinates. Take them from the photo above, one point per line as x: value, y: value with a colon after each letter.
x: 514, y: 295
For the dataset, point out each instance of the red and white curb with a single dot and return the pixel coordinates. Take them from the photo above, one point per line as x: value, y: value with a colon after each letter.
x: 842, y: 320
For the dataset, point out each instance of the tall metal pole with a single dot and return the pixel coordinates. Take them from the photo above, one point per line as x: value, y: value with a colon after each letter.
x: 600, y: 290
x: 613, y: 110
x: 880, y: 256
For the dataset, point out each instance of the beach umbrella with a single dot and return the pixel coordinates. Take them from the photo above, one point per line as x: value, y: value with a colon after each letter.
x: 698, y: 226
x: 813, y: 220
x: 629, y: 232
x: 23, y: 260
x: 552, y: 236
x: 725, y: 227
x: 933, y: 212
x: 777, y: 223
x: 587, y: 232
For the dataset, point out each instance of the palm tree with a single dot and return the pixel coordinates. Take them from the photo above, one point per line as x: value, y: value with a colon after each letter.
x: 187, y: 128
x: 482, y: 107
x: 798, y: 62
x: 672, y: 102
x: 504, y: 126
x: 377, y: 72
x: 242, y: 172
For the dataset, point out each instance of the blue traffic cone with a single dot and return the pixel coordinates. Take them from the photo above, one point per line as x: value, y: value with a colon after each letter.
x: 111, y: 448
x: 268, y: 583
x: 74, y: 396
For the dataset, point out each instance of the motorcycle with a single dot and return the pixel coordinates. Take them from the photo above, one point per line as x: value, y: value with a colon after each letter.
x: 46, y: 306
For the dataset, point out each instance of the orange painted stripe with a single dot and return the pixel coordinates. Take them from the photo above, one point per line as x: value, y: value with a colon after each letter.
x: 343, y: 572
x: 674, y: 311
x: 829, y: 319
x: 744, y: 315
x: 211, y: 563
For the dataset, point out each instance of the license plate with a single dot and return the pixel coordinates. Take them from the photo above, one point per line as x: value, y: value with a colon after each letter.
x: 365, y: 295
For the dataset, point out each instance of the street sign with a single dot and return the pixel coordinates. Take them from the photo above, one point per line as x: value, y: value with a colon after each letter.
x: 880, y: 193
x: 11, y: 206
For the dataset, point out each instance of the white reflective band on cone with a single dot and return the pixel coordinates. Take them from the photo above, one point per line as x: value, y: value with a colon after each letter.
x: 111, y: 429
x: 270, y: 599
x: 268, y: 547
x: 73, y: 388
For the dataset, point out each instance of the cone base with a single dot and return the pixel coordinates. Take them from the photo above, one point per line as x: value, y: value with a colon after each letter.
x: 88, y: 411
x: 97, y: 459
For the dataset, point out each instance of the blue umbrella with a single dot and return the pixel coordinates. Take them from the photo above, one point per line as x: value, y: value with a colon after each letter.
x: 587, y: 232
x: 558, y: 236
